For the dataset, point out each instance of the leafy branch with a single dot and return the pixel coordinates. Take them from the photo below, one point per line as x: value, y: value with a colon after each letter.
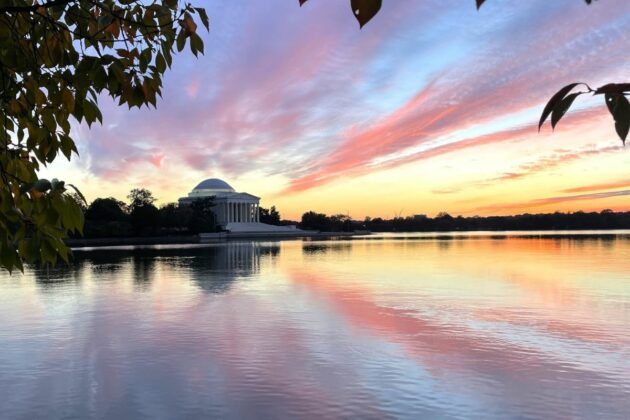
x: 56, y: 59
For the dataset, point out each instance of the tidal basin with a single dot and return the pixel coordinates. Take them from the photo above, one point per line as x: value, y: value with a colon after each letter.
x: 392, y: 326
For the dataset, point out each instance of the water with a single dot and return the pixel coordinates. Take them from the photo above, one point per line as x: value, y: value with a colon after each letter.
x: 418, y: 326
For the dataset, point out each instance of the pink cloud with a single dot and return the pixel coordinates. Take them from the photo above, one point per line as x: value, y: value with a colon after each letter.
x: 492, y: 88
x: 318, y: 99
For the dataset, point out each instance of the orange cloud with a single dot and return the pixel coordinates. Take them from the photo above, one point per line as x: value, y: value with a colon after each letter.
x: 599, y: 187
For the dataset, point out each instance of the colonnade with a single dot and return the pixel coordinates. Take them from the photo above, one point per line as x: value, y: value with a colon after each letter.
x: 242, y: 212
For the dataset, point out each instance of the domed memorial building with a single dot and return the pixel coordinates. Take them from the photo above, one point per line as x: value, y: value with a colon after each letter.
x: 230, y: 206
x: 236, y: 212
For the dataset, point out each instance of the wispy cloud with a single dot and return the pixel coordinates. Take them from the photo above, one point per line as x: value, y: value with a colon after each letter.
x: 625, y: 183
x: 483, y: 90
x: 303, y: 94
x: 522, y: 206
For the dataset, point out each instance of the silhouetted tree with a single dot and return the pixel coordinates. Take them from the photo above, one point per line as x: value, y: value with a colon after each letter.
x: 174, y: 217
x: 270, y: 216
x: 106, y: 217
x: 145, y: 219
x: 202, y: 217
x: 443, y: 222
x: 144, y: 215
x: 106, y: 210
x: 140, y: 197
x: 315, y: 221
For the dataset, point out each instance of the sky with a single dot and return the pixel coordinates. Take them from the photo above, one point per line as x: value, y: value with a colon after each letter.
x: 433, y: 106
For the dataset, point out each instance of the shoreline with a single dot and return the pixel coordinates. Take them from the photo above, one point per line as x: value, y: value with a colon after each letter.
x: 200, y: 239
x: 226, y: 237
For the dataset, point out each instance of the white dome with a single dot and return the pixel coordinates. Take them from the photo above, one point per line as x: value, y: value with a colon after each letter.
x: 214, y: 184
x: 211, y: 187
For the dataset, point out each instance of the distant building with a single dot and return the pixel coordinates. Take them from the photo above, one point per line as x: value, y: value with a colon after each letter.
x: 236, y: 212
x: 230, y: 206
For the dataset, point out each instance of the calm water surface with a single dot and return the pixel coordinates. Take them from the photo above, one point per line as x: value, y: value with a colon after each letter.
x: 388, y: 327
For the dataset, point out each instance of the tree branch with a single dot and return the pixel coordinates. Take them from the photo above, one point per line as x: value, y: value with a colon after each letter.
x: 33, y: 8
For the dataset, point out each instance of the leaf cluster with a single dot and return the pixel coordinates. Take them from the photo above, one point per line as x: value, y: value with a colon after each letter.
x: 615, y: 97
x: 56, y: 59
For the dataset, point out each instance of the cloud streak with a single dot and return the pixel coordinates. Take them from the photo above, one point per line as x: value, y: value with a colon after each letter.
x: 554, y: 200
x: 301, y: 94
x: 489, y: 89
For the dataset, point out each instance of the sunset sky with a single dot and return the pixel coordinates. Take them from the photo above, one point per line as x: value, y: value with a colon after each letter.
x: 431, y: 107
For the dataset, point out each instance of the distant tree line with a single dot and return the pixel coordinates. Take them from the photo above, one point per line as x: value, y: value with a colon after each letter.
x: 323, y: 223
x: 606, y: 219
x: 110, y: 217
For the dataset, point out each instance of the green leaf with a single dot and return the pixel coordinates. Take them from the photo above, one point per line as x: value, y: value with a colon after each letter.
x: 91, y: 112
x: 48, y: 252
x: 181, y: 40
x: 196, y: 44
x: 204, y: 17
x: 79, y: 193
x: 160, y: 63
x: 8, y: 256
x: 49, y: 120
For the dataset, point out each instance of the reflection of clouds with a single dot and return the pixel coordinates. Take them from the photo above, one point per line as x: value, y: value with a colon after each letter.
x: 504, y: 369
x: 401, y: 329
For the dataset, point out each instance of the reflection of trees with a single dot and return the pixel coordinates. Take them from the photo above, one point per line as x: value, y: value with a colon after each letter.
x: 97, y: 262
x: 212, y: 268
x: 143, y: 271
x: 324, y: 248
x: 50, y: 279
x: 444, y: 245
